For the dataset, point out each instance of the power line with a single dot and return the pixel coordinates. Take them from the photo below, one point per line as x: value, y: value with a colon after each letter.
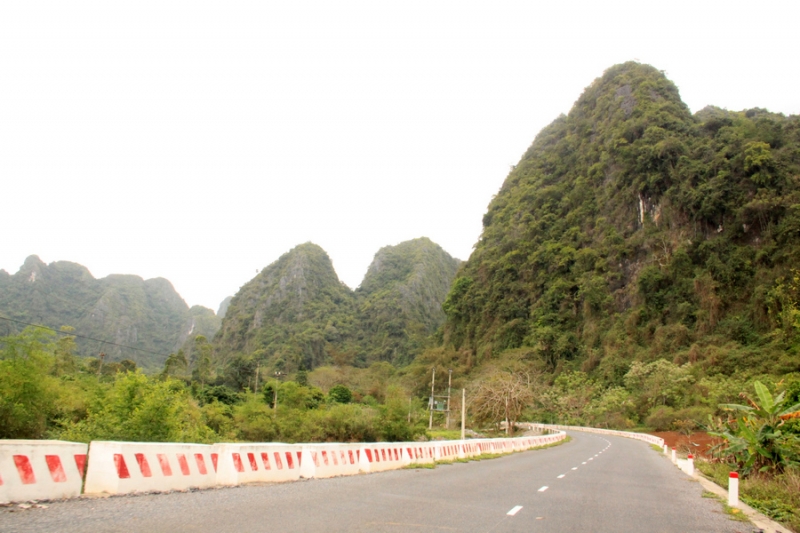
x: 81, y: 336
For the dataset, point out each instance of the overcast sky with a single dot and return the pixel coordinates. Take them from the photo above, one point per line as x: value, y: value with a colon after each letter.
x: 198, y: 141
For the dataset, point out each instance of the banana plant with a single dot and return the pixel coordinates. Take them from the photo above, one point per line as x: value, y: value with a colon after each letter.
x: 754, y: 438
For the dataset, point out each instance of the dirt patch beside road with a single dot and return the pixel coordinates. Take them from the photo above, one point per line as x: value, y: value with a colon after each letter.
x: 698, y: 443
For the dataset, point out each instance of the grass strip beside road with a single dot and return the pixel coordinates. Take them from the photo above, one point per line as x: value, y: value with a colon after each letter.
x: 777, y: 496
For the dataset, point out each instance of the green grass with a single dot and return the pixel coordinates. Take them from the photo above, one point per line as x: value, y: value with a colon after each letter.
x: 776, y: 496
x: 444, y: 434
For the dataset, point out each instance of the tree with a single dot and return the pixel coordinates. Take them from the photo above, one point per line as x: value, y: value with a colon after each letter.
x: 340, y: 394
x: 502, y: 397
x: 755, y: 439
x: 27, y: 392
x: 176, y: 366
x: 202, y: 367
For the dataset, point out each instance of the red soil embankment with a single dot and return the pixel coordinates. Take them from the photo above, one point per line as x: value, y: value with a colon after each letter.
x: 697, y: 443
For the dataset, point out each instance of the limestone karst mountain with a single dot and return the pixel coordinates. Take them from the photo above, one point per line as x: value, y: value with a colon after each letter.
x: 633, y: 229
x: 125, y: 310
x: 297, y: 314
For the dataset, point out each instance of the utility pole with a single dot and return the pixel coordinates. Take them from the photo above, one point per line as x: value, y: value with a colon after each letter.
x: 463, y: 413
x: 100, y: 366
x: 449, y: 382
x: 275, y: 398
x: 432, y: 402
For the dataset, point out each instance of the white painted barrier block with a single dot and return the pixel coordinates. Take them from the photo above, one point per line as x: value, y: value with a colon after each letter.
x: 261, y: 462
x: 419, y: 452
x: 41, y: 469
x: 330, y: 459
x: 652, y: 439
x: 380, y: 456
x: 128, y: 467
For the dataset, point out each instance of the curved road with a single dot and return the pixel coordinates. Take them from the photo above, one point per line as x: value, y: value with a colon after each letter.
x: 592, y: 484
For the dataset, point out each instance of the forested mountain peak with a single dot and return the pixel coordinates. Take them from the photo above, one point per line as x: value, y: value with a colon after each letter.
x: 400, y: 299
x: 297, y: 314
x: 144, y: 319
x: 633, y: 229
x: 288, y: 312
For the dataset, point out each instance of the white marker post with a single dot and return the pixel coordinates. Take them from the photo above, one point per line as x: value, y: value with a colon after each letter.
x: 674, y: 456
x: 733, y: 490
x: 690, y: 465
x: 666, y: 450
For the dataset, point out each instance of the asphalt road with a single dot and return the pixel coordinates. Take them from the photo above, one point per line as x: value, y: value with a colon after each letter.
x: 593, y: 484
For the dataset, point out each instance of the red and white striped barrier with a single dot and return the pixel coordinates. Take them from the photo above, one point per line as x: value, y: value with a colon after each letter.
x: 128, y: 467
x: 331, y: 459
x: 380, y: 456
x: 54, y: 469
x: 40, y: 469
x: 419, y: 452
x: 652, y: 439
x: 249, y: 463
x: 448, y: 450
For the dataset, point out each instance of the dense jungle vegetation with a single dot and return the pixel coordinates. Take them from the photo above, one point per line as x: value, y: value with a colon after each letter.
x: 48, y: 392
x: 636, y: 242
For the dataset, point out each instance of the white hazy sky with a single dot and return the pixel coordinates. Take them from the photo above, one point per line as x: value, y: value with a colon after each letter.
x: 198, y: 141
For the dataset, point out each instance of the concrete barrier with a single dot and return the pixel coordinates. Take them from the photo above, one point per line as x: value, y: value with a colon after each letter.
x: 55, y: 469
x: 128, y: 467
x: 652, y: 439
x: 380, y: 456
x: 419, y: 452
x: 40, y: 469
x: 263, y: 462
x: 331, y: 459
x: 448, y: 450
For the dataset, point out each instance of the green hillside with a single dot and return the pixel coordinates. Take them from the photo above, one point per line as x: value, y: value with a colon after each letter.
x: 125, y: 310
x: 634, y: 230
x: 289, y: 313
x: 296, y: 313
x: 400, y: 299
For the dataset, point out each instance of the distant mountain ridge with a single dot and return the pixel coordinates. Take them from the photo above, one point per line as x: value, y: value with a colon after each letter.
x: 122, y: 309
x: 296, y: 313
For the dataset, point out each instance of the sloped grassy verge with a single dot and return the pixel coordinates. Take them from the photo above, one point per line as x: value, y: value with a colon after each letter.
x: 777, y: 496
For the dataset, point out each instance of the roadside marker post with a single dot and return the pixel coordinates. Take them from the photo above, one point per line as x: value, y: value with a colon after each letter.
x: 690, y: 465
x: 733, y: 489
x: 674, y: 456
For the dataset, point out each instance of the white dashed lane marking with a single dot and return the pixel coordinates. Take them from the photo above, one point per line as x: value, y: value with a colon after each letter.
x: 543, y: 489
x: 514, y: 510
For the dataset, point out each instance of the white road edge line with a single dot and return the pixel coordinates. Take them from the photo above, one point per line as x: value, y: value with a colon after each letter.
x: 543, y: 489
x: 514, y: 511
